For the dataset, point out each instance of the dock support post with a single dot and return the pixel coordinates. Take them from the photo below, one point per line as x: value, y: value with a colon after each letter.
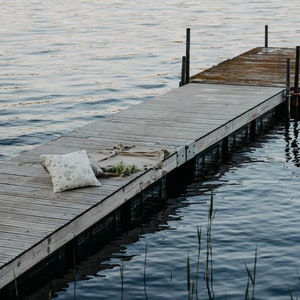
x: 188, y: 46
x: 295, y: 94
x: 180, y: 177
x: 266, y: 36
x: 296, y: 86
x: 288, y: 86
x: 224, y: 149
x: 252, y: 130
x: 125, y: 215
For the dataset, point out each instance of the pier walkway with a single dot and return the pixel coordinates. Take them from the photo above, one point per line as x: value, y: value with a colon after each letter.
x: 35, y: 222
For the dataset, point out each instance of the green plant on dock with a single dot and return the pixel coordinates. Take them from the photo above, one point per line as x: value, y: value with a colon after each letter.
x: 121, y: 169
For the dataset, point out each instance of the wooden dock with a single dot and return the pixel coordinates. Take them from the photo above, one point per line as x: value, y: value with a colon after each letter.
x: 259, y: 67
x: 35, y: 222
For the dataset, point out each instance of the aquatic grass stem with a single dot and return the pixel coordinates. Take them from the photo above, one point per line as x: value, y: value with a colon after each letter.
x: 209, y: 253
x: 74, y: 272
x: 122, y: 279
x: 291, y: 292
x: 145, y: 268
x: 190, y: 284
x: 251, y: 278
x: 199, y: 234
x: 188, y: 270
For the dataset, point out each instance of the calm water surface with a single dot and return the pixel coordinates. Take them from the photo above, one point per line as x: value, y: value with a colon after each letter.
x: 66, y: 63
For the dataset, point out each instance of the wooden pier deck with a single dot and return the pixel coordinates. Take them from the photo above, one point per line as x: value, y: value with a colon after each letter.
x: 35, y: 222
x: 259, y: 67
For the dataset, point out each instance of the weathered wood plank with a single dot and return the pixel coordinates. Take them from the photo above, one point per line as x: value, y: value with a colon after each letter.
x: 259, y: 67
x: 42, y: 211
x: 20, y: 229
x: 31, y: 220
x: 46, y: 203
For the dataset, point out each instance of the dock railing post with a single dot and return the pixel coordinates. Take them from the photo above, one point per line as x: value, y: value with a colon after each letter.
x: 296, y: 86
x: 183, y: 71
x: 288, y: 85
x: 266, y: 36
x: 188, y: 47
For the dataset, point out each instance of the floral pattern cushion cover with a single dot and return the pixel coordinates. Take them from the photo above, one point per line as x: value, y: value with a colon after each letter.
x: 69, y: 171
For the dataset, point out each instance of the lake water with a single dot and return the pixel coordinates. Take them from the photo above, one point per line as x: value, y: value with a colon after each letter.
x: 66, y: 63
x: 257, y: 203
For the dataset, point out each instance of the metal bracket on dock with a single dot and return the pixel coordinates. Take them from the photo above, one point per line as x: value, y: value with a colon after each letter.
x: 190, y: 150
x: 181, y: 157
x: 185, y: 153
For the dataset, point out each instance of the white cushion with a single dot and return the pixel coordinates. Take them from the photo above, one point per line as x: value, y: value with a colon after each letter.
x: 69, y: 171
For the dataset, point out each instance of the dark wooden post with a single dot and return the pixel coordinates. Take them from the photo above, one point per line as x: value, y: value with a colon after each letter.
x: 288, y: 77
x: 288, y: 86
x: 188, y: 46
x: 252, y: 130
x: 183, y: 71
x: 295, y: 93
x: 125, y: 215
x: 224, y: 149
x: 296, y: 85
x: 266, y: 36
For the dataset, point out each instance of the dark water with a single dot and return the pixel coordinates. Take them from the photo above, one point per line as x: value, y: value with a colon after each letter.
x: 64, y: 64
x: 257, y: 204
